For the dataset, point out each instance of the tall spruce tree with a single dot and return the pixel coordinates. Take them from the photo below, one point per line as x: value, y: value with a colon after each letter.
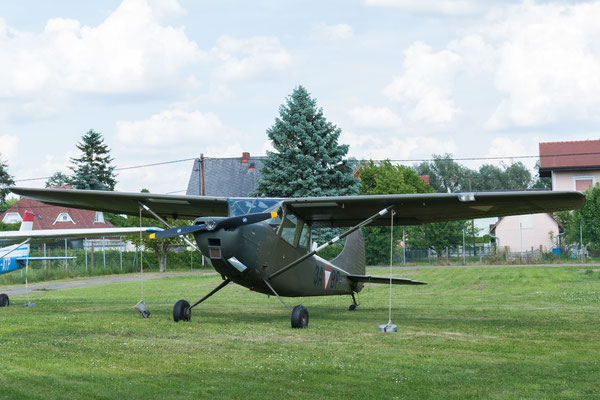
x: 307, y: 161
x: 92, y: 170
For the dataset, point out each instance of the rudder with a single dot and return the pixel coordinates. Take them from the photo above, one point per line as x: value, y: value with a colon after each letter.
x: 352, y: 258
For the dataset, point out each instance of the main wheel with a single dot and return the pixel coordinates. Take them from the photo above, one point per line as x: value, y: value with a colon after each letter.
x: 352, y: 307
x: 182, y: 311
x: 4, y: 301
x: 300, y: 317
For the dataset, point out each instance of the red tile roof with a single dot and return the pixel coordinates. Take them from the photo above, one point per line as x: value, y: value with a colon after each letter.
x: 45, y: 215
x: 583, y: 154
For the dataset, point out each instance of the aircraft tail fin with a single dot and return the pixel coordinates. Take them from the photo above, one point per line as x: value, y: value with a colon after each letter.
x: 352, y: 258
x: 27, y: 224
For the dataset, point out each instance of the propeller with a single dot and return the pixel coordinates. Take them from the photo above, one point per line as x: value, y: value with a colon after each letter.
x: 214, y: 225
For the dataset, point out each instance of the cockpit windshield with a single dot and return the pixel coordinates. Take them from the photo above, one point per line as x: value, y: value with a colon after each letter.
x: 242, y: 206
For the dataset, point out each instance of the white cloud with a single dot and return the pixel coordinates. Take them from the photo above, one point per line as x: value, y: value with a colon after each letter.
x: 503, y: 147
x: 549, y: 63
x: 543, y: 60
x: 380, y: 147
x: 426, y: 84
x: 374, y: 117
x: 450, y: 7
x: 234, y: 59
x: 322, y: 32
x: 10, y: 147
x: 170, y: 131
x: 129, y: 52
x: 170, y: 135
x: 165, y: 10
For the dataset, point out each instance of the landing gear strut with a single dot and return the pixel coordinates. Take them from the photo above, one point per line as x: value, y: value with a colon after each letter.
x: 182, y: 311
x: 299, y: 313
x: 353, y: 305
x: 4, y: 301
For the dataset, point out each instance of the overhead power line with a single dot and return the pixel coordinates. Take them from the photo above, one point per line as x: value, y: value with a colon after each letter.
x: 363, y: 159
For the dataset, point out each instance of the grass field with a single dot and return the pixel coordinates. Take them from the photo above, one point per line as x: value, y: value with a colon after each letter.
x: 506, y: 333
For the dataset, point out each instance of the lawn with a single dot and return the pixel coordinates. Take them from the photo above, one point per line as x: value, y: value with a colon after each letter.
x: 503, y: 333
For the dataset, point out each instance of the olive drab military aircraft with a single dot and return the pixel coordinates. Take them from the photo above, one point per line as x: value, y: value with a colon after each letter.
x: 264, y: 244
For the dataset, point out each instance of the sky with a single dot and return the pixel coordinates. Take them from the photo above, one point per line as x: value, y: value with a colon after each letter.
x: 167, y: 80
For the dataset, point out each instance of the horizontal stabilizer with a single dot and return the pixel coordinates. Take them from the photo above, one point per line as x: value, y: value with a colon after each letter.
x: 380, y: 279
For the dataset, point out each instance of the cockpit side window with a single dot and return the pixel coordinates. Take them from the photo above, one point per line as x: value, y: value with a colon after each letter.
x: 288, y: 230
x: 304, y: 240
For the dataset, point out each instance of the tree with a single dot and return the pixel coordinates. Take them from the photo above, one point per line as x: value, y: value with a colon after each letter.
x: 515, y: 176
x: 6, y: 181
x: 92, y: 170
x: 438, y: 236
x: 58, y: 179
x: 386, y: 178
x: 307, y: 161
x: 445, y: 174
x: 8, y: 203
x: 541, y: 182
x: 587, y: 219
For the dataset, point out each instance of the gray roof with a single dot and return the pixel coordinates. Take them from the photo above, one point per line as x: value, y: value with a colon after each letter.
x: 226, y: 177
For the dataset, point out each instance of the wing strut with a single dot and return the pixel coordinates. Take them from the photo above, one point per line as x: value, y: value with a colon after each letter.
x: 332, y: 241
x: 16, y: 247
x: 155, y: 215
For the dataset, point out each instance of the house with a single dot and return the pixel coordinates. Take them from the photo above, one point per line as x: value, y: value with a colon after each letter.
x: 571, y: 165
x: 225, y: 177
x: 522, y: 233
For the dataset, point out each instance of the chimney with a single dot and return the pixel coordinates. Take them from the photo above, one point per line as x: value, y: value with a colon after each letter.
x: 245, y: 157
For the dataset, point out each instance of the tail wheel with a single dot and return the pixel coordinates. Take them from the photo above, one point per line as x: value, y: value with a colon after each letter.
x: 4, y: 300
x: 182, y: 311
x: 300, y: 317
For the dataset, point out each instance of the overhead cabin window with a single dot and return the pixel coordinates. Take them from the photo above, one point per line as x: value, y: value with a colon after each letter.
x: 63, y: 217
x: 288, y: 229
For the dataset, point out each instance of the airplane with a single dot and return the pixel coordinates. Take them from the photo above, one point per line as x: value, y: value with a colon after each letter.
x: 16, y: 257
x: 264, y: 243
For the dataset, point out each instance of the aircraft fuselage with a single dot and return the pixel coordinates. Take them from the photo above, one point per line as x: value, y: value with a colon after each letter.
x: 261, y: 250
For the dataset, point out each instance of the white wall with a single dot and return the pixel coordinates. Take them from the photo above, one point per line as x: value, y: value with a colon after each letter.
x: 530, y: 230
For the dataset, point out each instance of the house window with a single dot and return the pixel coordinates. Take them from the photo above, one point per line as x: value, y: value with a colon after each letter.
x: 99, y: 218
x: 581, y: 183
x: 63, y: 217
x: 12, y: 218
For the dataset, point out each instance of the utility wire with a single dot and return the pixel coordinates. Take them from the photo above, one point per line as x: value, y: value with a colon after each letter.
x: 360, y: 160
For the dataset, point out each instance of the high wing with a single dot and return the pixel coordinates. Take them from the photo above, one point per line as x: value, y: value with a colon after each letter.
x: 411, y: 209
x: 416, y: 209
x: 129, y: 203
x: 45, y: 235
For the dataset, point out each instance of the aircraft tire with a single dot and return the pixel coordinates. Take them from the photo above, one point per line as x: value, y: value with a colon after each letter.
x: 300, y: 317
x: 352, y: 307
x: 181, y: 311
x: 4, y: 300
